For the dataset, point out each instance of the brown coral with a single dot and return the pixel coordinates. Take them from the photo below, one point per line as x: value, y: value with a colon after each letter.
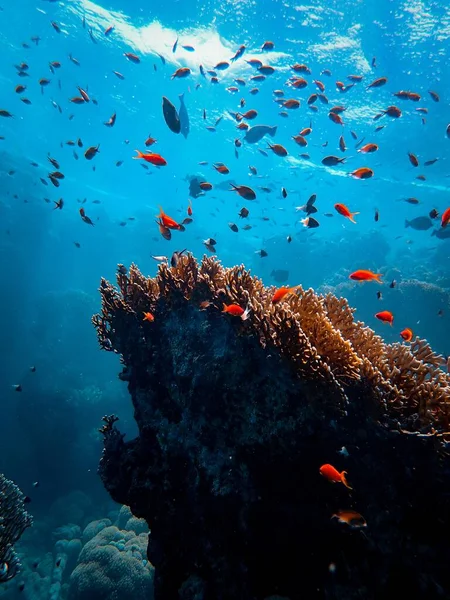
x: 316, y: 334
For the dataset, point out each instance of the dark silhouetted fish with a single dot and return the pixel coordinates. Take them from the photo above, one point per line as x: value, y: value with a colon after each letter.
x: 419, y: 223
x: 256, y: 133
x: 171, y: 116
x: 280, y: 275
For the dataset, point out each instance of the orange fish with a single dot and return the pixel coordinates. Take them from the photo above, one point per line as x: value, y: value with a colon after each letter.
x: 282, y: 292
x: 152, y: 158
x: 377, y: 83
x: 344, y: 211
x: 148, y: 317
x: 362, y: 173
x: 292, y: 103
x: 221, y: 168
x: 182, y: 72
x: 189, y: 209
x: 167, y: 221
x: 333, y: 475
x: 407, y: 334
x: 150, y: 141
x: 385, y: 316
x: 445, y: 219
x: 336, y: 118
x: 299, y: 83
x: 300, y: 140
x: 393, y: 111
x: 367, y: 148
x: 350, y: 517
x: 236, y: 311
x: 365, y: 275
x: 205, y: 186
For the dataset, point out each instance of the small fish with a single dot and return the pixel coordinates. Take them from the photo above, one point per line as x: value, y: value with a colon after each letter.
x: 236, y: 311
x: 91, y: 152
x: 379, y: 296
x: 77, y: 244
x: 119, y: 75
x: 111, y: 120
x: 407, y: 334
x: 233, y: 227
x: 85, y: 218
x: 74, y: 60
x: 362, y: 173
x: 181, y: 73
x: 434, y: 96
x: 244, y: 191
x: 385, y: 316
x: 351, y: 518
x: 167, y: 221
x: 281, y: 293
x: 132, y: 57
x: 17, y: 387
x: 377, y: 83
x: 262, y: 253
x: 148, y: 316
x: 278, y: 149
x: 365, y: 275
x: 333, y: 475
x: 445, y: 219
x: 284, y: 192
x: 59, y: 204
x: 151, y: 157
x: 176, y: 256
x: 331, y: 161
x: 413, y: 159
x: 345, y: 212
x: 433, y: 214
x: 56, y: 27
x: 310, y: 223
x: 174, y: 47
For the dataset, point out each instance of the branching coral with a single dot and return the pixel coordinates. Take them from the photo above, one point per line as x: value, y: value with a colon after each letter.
x: 316, y: 334
x: 14, y: 519
x: 235, y: 418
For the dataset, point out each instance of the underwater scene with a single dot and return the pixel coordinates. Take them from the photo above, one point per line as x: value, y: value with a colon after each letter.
x: 225, y: 309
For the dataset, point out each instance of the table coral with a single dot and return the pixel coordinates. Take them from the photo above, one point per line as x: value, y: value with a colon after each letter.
x: 236, y: 417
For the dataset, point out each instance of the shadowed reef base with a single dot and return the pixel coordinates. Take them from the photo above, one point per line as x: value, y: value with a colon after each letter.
x: 235, y: 419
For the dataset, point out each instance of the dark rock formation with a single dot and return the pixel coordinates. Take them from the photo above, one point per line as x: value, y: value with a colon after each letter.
x: 233, y: 431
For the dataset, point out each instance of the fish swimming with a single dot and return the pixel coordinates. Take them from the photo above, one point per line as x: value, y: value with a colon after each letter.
x: 184, y: 117
x: 171, y: 116
x: 419, y: 223
x: 257, y: 132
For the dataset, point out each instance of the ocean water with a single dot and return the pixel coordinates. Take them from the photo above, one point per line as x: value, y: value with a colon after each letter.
x: 52, y: 260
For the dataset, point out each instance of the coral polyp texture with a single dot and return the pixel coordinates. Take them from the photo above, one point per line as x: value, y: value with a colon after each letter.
x: 14, y: 519
x: 235, y: 419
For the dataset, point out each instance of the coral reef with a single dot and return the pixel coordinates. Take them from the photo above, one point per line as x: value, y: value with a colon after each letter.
x: 14, y: 519
x: 235, y: 418
x: 113, y: 565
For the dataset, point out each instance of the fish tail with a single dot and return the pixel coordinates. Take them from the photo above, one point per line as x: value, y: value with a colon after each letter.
x: 246, y: 313
x: 352, y: 215
x: 344, y: 480
x: 224, y: 307
x: 139, y: 155
x: 273, y: 130
x: 378, y: 276
x: 233, y: 186
x: 407, y: 223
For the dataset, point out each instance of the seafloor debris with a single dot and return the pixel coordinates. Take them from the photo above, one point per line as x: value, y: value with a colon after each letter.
x: 14, y: 519
x: 235, y: 419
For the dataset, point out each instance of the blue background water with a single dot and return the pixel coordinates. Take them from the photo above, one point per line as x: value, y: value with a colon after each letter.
x: 48, y: 432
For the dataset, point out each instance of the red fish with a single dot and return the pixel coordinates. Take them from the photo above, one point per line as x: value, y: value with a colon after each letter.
x: 385, y: 316
x: 236, y: 311
x: 333, y: 475
x: 362, y: 173
x: 407, y: 334
x: 151, y: 157
x: 282, y: 292
x: 344, y: 211
x: 189, y: 209
x: 445, y: 219
x: 365, y: 275
x: 368, y: 148
x: 167, y: 221
x: 351, y: 518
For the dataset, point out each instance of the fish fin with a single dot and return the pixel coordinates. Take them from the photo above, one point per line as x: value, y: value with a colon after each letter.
x: 344, y: 480
x: 377, y: 277
x: 407, y: 223
x: 246, y: 313
x: 352, y: 215
x: 139, y: 155
x: 273, y: 131
x: 224, y: 307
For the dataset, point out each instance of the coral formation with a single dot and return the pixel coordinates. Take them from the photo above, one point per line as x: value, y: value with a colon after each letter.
x: 113, y: 565
x: 235, y: 418
x: 14, y: 519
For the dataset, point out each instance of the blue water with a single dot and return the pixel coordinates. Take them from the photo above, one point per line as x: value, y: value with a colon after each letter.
x: 49, y: 286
